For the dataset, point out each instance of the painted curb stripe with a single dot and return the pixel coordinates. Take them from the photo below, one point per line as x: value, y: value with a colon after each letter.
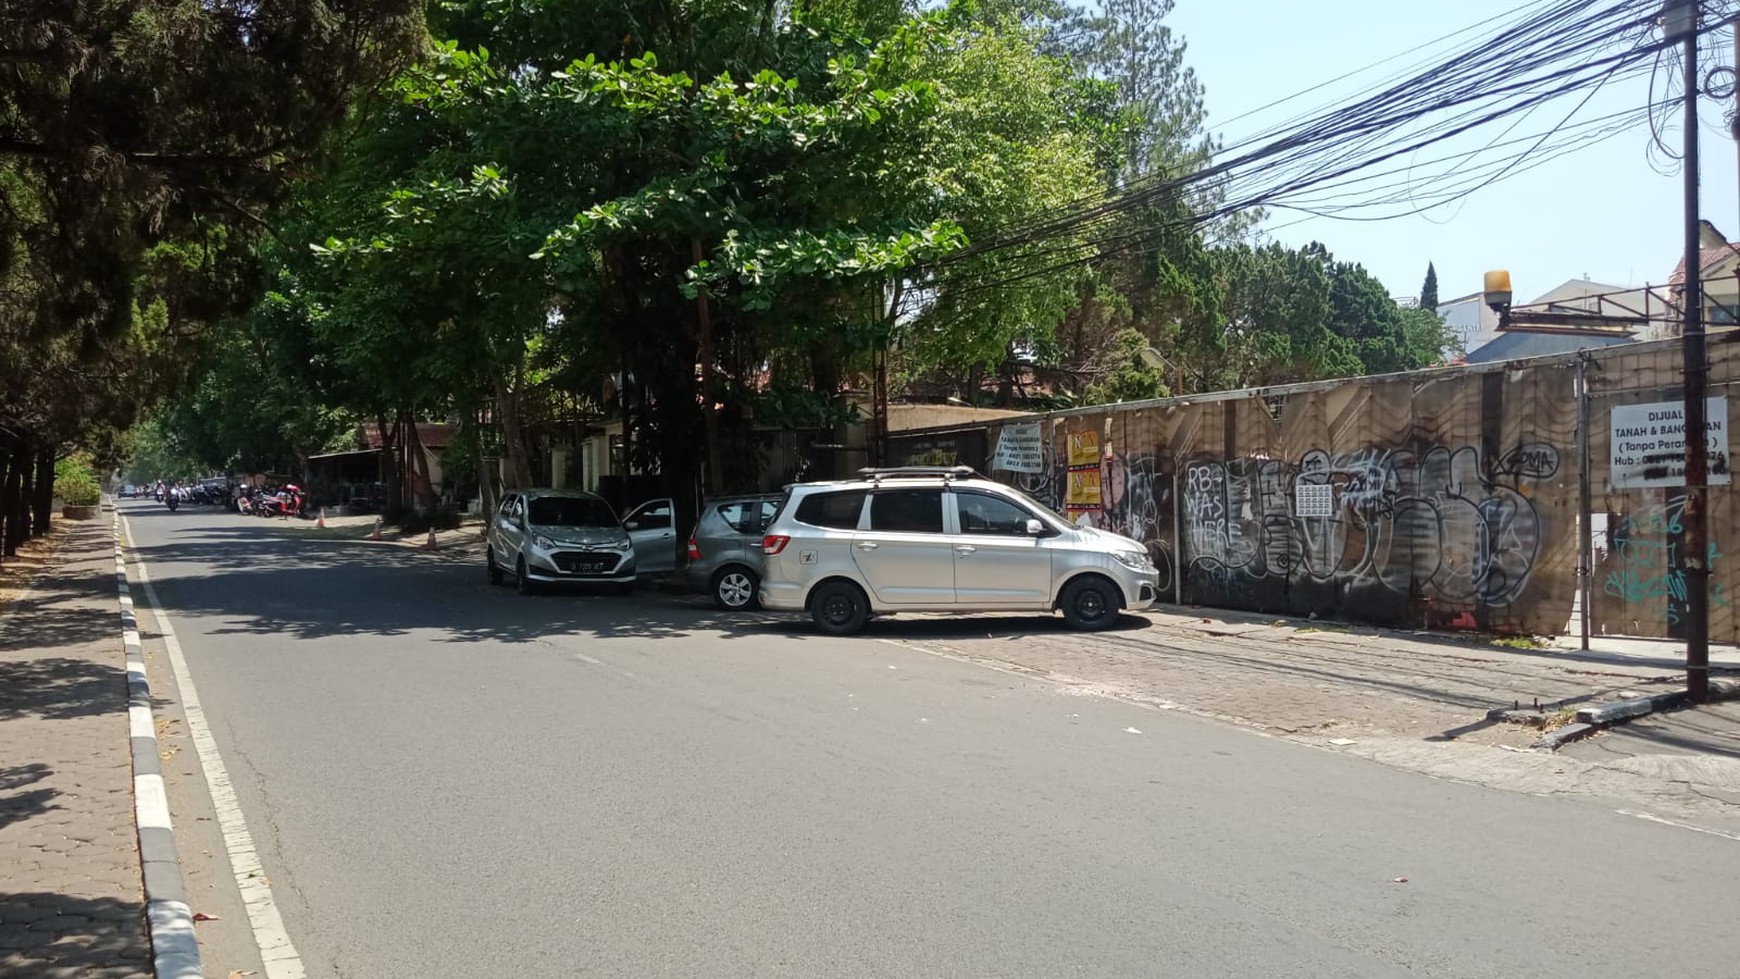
x: 174, y: 946
x: 277, y: 952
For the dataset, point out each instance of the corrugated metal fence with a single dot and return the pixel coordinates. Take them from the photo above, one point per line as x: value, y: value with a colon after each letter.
x: 1441, y: 499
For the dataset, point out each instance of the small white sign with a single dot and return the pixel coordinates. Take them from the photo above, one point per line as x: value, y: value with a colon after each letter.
x: 1648, y: 445
x: 1313, y: 500
x: 1020, y: 449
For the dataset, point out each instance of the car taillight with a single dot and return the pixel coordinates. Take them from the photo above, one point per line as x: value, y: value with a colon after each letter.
x: 774, y: 543
x: 694, y: 551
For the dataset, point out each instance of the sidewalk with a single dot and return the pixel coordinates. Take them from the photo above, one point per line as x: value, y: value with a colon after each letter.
x: 71, y: 899
x: 1413, y: 700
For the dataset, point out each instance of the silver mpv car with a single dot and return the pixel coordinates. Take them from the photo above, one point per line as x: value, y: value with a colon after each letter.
x: 547, y: 536
x: 936, y: 540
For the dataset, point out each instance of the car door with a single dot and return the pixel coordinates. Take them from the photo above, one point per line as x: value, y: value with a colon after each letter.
x: 506, y: 536
x: 998, y: 564
x: 652, y: 529
x: 903, y: 553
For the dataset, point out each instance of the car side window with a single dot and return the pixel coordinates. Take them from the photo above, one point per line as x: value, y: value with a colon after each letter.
x: 837, y: 511
x: 769, y: 509
x: 911, y: 511
x: 745, y: 518
x: 507, y: 507
x: 654, y: 517
x: 980, y: 513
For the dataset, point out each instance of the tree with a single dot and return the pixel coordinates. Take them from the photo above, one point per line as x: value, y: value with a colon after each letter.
x: 140, y: 134
x: 1429, y: 290
x: 1129, y: 376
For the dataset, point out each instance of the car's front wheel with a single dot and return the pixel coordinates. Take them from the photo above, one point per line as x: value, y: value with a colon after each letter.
x: 839, y: 608
x: 1089, y: 604
x: 734, y: 589
x: 523, y: 582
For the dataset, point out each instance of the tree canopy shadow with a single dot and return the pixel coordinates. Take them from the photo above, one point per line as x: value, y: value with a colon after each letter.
x: 78, y: 935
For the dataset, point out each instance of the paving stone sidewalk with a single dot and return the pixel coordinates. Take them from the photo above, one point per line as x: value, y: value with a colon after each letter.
x: 71, y: 898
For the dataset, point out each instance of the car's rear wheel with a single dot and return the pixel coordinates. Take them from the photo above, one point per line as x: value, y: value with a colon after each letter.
x: 494, y: 568
x: 1089, y: 604
x: 734, y: 589
x: 523, y: 582
x: 839, y: 608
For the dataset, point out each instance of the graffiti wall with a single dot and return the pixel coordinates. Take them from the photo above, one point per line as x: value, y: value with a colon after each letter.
x: 1445, y: 499
x: 1638, y: 587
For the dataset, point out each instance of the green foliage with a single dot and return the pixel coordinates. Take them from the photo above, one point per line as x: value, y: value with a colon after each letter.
x: 113, y: 249
x: 1429, y: 289
x: 1128, y: 376
x: 74, y: 483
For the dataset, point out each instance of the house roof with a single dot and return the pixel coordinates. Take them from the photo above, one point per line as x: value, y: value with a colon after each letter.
x: 1512, y: 346
x: 1709, y: 260
x: 433, y: 435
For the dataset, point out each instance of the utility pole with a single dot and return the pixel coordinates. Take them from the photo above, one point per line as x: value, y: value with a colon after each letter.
x: 1682, y: 22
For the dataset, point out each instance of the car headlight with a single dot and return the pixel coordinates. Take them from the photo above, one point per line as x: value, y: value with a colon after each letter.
x: 1134, y: 560
x: 544, y: 542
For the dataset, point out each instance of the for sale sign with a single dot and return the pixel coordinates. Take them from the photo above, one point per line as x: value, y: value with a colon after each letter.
x: 1648, y: 444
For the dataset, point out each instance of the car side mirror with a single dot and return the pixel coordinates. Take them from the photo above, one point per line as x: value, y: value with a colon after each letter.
x: 1034, y: 528
x: 631, y: 525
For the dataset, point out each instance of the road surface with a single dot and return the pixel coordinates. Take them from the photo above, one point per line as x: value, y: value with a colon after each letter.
x: 447, y: 780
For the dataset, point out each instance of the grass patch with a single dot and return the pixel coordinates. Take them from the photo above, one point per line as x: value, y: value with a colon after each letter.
x: 1520, y: 642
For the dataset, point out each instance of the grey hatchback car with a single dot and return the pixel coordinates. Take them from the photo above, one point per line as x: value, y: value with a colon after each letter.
x: 725, y: 555
x: 547, y: 536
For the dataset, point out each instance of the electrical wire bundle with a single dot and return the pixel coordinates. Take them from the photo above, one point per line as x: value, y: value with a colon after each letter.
x: 1363, y: 159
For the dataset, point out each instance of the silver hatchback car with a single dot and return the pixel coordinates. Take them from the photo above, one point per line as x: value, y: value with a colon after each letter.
x: 936, y: 540
x: 547, y: 536
x: 725, y: 550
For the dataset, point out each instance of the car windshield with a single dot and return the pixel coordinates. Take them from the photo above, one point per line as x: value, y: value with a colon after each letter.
x: 570, y: 511
x: 1044, y: 508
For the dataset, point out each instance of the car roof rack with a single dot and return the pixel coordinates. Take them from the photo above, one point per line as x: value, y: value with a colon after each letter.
x: 877, y: 474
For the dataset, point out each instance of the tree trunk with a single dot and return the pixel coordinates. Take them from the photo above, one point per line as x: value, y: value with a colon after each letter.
x: 26, y: 497
x: 513, y: 446
x: 485, y: 474
x: 418, y: 459
x: 390, y: 461
x: 44, y: 502
x: 11, y: 502
x: 710, y: 480
x: 8, y: 448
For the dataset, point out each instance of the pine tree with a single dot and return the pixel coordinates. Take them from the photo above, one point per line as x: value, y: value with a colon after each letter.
x: 1429, y: 289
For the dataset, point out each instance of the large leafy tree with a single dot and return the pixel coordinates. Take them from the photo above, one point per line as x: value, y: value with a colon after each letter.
x: 139, y: 142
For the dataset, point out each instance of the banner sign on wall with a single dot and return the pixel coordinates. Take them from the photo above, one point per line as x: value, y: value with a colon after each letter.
x: 1648, y: 445
x: 1020, y: 449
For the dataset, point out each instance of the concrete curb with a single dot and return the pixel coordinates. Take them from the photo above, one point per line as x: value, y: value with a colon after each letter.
x: 1593, y: 719
x: 174, y: 946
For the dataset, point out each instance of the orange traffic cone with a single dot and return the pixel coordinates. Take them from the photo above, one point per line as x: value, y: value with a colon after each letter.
x: 431, y: 545
x: 377, y: 534
x: 320, y: 520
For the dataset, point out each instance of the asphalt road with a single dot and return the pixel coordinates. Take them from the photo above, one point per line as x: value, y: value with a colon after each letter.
x: 449, y: 780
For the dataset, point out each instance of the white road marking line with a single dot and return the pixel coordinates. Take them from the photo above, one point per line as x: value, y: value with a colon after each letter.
x: 585, y: 658
x: 1653, y: 818
x: 276, y: 949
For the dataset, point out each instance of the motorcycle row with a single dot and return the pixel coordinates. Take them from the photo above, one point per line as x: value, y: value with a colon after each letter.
x: 277, y: 501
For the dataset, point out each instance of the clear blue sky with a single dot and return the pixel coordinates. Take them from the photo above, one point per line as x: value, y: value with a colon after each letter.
x: 1601, y: 211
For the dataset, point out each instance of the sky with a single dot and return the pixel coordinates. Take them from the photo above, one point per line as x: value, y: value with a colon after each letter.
x: 1601, y: 212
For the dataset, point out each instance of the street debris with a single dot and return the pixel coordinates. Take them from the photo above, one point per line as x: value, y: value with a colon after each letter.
x: 1399, y: 880
x: 1131, y: 730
